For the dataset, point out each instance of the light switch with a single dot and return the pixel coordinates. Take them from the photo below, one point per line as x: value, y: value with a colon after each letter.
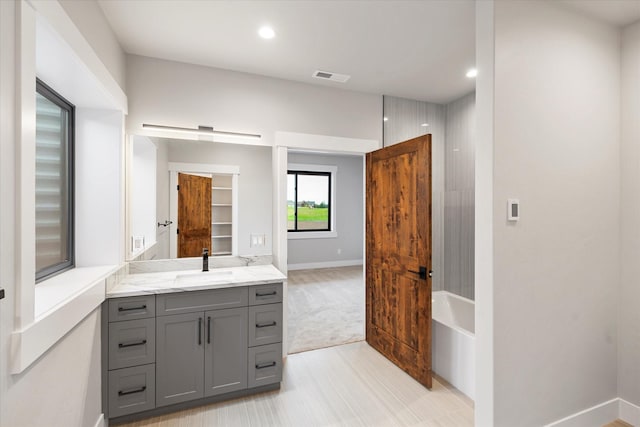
x: 258, y: 240
x: 137, y: 243
x: 513, y: 209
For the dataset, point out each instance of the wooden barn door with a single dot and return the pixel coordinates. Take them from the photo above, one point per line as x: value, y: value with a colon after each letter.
x: 194, y: 215
x: 398, y: 283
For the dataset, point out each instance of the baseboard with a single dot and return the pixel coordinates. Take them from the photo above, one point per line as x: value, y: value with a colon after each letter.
x: 602, y: 414
x: 100, y: 422
x: 326, y: 264
x: 629, y: 412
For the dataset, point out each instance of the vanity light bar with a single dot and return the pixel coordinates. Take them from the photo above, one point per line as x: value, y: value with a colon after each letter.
x: 201, y: 130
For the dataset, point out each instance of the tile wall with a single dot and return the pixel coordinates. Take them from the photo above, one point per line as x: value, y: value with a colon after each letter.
x: 451, y: 127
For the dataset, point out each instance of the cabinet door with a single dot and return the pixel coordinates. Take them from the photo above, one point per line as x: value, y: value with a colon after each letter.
x: 226, y: 350
x: 179, y: 358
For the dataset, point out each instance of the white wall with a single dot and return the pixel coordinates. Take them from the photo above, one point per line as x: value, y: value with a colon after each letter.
x: 172, y: 93
x: 99, y: 187
x: 177, y: 94
x: 7, y: 189
x: 556, y: 271
x: 254, y: 184
x: 349, y: 211
x: 483, y: 224
x: 629, y: 314
x: 90, y: 20
x: 143, y: 190
x: 62, y: 387
x: 162, y: 197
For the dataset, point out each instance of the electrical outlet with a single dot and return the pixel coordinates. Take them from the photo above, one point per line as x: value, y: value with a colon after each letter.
x: 339, y: 251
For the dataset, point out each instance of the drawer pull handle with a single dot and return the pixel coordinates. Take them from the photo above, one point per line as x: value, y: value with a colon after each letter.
x: 266, y: 294
x: 208, y: 329
x: 199, y: 330
x: 132, y: 344
x: 141, y: 307
x: 135, y: 390
x: 266, y: 325
x: 265, y: 365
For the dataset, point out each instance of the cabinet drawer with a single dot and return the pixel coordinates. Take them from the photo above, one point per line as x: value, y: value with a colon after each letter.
x: 132, y: 390
x: 189, y: 302
x: 130, y: 308
x: 265, y: 324
x: 131, y: 343
x: 265, y: 365
x: 265, y: 294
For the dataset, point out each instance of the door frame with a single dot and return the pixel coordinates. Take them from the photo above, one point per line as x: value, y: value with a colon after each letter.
x: 200, y: 168
x: 315, y: 144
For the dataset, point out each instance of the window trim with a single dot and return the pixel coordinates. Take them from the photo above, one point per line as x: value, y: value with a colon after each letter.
x: 295, y: 202
x: 53, y: 270
x: 332, y: 233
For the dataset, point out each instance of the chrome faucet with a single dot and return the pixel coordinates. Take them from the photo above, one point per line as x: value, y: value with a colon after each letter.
x: 205, y: 259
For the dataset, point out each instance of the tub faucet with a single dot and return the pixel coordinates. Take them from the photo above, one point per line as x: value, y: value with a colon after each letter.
x: 205, y: 259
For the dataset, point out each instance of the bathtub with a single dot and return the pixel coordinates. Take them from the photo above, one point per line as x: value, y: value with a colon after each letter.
x: 453, y: 340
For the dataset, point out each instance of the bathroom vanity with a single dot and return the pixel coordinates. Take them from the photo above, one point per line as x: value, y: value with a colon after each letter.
x: 172, y: 340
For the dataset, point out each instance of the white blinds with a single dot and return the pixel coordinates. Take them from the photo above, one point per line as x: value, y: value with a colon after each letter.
x: 52, y: 219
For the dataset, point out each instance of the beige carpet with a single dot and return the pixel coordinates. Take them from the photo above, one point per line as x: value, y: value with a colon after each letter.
x: 326, y: 307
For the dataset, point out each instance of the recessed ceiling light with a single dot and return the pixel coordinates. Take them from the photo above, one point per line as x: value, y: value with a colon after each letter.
x: 472, y: 73
x: 385, y: 118
x: 266, y: 32
x: 424, y: 125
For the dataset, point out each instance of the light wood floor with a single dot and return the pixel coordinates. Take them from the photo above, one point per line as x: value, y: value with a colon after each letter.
x: 348, y: 385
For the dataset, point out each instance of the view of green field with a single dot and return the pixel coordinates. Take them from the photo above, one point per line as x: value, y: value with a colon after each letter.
x: 308, y: 218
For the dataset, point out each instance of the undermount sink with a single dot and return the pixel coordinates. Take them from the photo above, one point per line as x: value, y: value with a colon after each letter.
x: 203, y: 277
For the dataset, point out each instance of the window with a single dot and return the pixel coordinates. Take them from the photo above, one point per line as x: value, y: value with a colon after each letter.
x: 308, y: 201
x: 54, y: 182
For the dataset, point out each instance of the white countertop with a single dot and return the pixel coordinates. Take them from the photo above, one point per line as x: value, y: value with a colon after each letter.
x: 195, y: 280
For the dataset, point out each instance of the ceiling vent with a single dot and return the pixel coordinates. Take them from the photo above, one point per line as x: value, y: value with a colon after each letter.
x: 334, y: 77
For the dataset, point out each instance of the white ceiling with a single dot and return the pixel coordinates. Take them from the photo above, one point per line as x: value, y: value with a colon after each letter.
x: 413, y: 49
x: 418, y: 49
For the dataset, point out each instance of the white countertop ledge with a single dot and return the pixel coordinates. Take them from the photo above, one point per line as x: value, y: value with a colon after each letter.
x: 59, y: 289
x: 195, y: 280
x: 60, y: 303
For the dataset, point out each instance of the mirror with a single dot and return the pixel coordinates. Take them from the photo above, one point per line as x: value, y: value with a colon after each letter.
x: 241, y: 195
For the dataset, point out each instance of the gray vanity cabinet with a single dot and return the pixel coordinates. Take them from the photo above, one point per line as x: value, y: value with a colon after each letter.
x: 225, y: 351
x: 190, y: 348
x: 179, y: 358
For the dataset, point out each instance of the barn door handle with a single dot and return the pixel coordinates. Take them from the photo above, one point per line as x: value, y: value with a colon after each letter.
x: 422, y: 272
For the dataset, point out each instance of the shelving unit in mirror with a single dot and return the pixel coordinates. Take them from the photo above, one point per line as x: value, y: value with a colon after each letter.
x: 222, y: 215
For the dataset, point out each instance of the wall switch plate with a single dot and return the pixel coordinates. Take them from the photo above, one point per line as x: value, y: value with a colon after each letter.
x: 137, y: 243
x: 513, y: 209
x: 258, y: 240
